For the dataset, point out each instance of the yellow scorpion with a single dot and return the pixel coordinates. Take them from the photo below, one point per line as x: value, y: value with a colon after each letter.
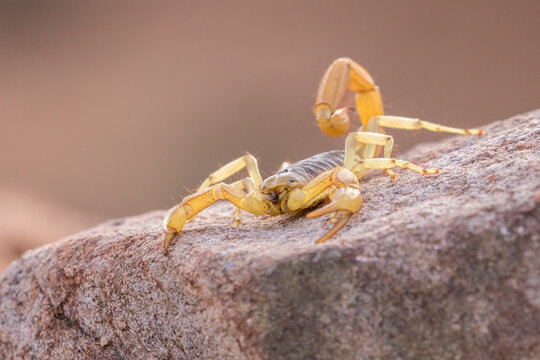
x: 332, y: 175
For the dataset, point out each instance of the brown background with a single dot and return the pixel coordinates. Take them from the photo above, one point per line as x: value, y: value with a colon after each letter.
x: 111, y: 109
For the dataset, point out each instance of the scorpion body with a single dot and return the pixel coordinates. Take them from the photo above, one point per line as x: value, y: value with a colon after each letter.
x: 278, y: 188
x: 329, y: 176
x: 306, y: 170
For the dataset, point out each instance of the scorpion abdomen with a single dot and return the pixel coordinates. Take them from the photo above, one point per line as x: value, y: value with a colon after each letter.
x: 306, y: 170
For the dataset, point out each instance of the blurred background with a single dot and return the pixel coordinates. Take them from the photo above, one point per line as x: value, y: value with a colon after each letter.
x: 110, y: 108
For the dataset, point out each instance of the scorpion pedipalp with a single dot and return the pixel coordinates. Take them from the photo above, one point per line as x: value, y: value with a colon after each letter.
x: 345, y: 202
x: 343, y: 218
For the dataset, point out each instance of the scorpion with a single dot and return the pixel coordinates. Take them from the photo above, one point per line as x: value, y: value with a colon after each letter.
x: 331, y: 177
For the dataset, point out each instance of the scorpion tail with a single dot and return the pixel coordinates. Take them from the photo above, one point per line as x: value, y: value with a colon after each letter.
x: 331, y: 103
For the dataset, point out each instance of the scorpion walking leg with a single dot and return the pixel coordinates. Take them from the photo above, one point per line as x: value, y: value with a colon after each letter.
x: 359, y: 163
x: 388, y: 163
x: 236, y: 193
x: 343, y: 189
x: 342, y: 75
x: 247, y: 161
x: 405, y: 123
x: 364, y: 145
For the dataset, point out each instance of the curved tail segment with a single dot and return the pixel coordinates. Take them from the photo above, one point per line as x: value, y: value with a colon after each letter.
x: 342, y: 75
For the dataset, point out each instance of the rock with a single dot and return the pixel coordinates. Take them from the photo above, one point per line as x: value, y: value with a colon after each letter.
x: 433, y: 267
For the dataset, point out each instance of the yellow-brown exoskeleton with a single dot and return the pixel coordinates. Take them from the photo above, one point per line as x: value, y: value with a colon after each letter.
x: 332, y: 176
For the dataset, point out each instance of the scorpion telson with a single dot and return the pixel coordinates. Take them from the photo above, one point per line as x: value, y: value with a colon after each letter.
x: 332, y: 175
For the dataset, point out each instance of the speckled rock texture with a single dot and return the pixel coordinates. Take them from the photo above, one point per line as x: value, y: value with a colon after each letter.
x: 433, y: 267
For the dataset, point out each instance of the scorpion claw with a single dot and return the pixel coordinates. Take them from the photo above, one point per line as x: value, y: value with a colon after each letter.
x: 332, y: 218
x: 343, y: 199
x: 344, y: 216
x: 345, y: 202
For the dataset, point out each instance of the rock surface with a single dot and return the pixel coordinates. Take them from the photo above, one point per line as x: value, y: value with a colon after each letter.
x: 433, y: 267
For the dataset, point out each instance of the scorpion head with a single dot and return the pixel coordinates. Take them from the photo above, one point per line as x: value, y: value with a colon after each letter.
x: 276, y: 189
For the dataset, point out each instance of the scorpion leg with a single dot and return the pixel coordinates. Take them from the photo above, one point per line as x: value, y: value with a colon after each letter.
x: 343, y: 189
x: 342, y: 75
x: 247, y: 161
x: 388, y: 163
x: 405, y: 123
x: 360, y: 161
x: 364, y: 144
x: 241, y: 193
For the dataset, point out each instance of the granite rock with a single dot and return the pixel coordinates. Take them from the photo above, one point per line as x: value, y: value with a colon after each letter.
x: 433, y: 267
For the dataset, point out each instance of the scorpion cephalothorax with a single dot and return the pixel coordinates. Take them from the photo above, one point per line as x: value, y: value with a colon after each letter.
x: 330, y: 176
